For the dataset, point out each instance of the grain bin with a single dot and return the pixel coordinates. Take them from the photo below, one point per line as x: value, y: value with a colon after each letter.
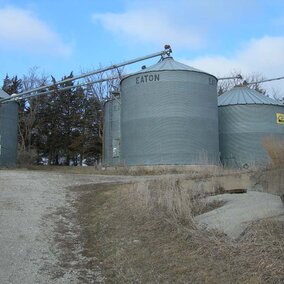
x: 246, y: 119
x: 8, y: 134
x: 169, y: 116
x: 111, y: 145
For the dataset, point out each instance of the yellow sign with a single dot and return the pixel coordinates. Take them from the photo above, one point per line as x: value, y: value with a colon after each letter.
x: 280, y: 118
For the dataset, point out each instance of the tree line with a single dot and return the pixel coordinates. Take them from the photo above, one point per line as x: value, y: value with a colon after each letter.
x: 63, y: 127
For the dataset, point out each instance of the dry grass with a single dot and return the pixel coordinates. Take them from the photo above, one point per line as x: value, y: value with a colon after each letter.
x: 146, y: 234
x: 190, y: 171
x: 275, y: 149
x: 166, y: 198
x: 274, y: 180
x: 131, y: 171
x: 170, y: 200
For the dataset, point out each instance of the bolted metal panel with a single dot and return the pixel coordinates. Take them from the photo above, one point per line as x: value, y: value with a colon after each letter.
x: 169, y: 117
x: 242, y: 129
x: 8, y: 134
x: 112, y: 132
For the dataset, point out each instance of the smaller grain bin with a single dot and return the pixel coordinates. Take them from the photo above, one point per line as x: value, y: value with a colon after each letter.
x: 8, y: 133
x: 247, y: 119
x: 111, y: 145
x: 169, y: 116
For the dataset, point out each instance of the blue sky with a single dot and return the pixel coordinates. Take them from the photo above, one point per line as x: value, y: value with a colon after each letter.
x: 217, y: 36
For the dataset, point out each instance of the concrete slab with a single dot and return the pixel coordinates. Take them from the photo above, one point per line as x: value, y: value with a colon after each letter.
x: 239, y: 211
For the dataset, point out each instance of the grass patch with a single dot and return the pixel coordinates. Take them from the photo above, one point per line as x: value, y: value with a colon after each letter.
x: 191, y: 171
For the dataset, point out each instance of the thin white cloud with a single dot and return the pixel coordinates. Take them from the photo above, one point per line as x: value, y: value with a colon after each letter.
x: 150, y: 26
x: 259, y: 56
x: 187, y: 24
x: 264, y: 55
x: 22, y: 30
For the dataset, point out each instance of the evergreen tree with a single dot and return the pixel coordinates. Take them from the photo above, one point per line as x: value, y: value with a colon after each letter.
x: 65, y: 126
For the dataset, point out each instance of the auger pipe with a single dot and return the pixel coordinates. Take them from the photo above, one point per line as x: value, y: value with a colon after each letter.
x: 167, y: 51
x: 15, y: 98
x: 267, y: 80
x: 239, y: 76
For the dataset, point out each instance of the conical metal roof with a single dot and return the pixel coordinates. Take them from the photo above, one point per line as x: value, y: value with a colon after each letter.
x: 168, y: 64
x: 3, y: 95
x: 242, y: 95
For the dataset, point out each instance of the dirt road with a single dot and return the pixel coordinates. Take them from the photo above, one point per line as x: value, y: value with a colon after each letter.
x: 39, y: 231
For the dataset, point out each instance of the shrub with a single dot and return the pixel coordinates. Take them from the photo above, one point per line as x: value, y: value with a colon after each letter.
x: 26, y: 158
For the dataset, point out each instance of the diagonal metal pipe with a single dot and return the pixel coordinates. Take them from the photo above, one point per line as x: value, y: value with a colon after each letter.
x: 266, y: 80
x: 166, y: 51
x: 23, y: 96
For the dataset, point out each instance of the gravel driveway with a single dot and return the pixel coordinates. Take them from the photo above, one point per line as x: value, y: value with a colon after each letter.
x: 38, y: 229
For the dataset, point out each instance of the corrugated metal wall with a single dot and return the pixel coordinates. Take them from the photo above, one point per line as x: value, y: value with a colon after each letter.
x: 8, y: 134
x: 242, y: 129
x: 170, y: 120
x: 111, y: 146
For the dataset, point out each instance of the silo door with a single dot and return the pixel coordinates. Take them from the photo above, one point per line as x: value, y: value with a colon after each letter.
x: 115, y: 148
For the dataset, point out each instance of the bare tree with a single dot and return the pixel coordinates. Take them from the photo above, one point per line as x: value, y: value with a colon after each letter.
x: 226, y: 85
x: 29, y: 108
x: 100, y: 92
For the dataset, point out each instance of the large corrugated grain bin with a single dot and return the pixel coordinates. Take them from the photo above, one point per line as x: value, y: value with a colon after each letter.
x: 247, y: 120
x: 111, y: 145
x: 169, y: 116
x: 8, y: 134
